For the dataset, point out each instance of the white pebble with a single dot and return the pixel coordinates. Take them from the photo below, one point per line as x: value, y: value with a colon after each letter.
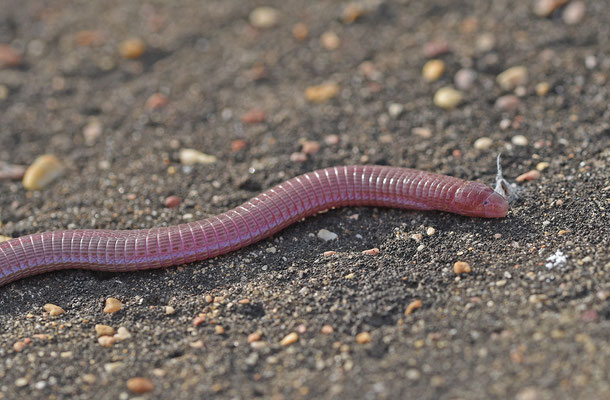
x: 512, y: 77
x: 264, y: 17
x: 327, y: 235
x: 483, y: 143
x: 447, y: 98
x: 192, y: 156
x: 395, y: 110
x: 519, y: 140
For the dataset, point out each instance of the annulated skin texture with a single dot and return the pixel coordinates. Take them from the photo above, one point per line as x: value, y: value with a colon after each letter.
x: 258, y: 218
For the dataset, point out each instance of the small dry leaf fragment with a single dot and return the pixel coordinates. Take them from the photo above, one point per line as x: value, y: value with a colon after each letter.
x: 363, y: 338
x: 112, y: 305
x: 192, y: 156
x: 140, y: 385
x: 461, y: 267
x: 414, y: 305
x: 43, y: 171
x: 104, y: 330
x: 132, y: 49
x: 289, y: 339
x: 321, y: 93
x: 53, y: 310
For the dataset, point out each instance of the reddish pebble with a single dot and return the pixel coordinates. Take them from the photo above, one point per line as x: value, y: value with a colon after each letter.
x: 436, y: 48
x: 329, y: 253
x: 140, y: 385
x: 172, y: 201
x: 528, y: 176
x: 156, y: 101
x: 199, y: 319
x: 9, y: 57
x: 331, y: 139
x: 371, y: 252
x: 589, y: 315
x: 509, y: 102
x: 238, y: 145
x: 255, y: 116
x: 327, y: 329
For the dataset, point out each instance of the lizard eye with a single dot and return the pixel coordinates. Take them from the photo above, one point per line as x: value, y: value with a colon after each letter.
x: 486, y: 202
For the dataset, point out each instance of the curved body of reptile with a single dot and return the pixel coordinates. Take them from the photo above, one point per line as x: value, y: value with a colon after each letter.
x: 258, y: 218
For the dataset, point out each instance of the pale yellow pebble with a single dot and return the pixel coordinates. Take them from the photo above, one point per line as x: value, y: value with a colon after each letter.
x: 254, y: 337
x: 542, y: 88
x: 192, y: 156
x: 4, y: 238
x: 44, y: 170
x: 430, y: 231
x: 112, y: 305
x: 53, y: 310
x: 433, y: 70
x: 132, y: 48
x: 104, y: 330
x: 169, y: 310
x: 4, y: 92
x: 519, y: 140
x: 264, y: 17
x: 330, y: 40
x: 219, y: 330
x: 289, y: 339
x: 122, y: 334
x: 363, y: 338
x: 483, y: 143
x: 461, y: 267
x: 512, y: 77
x: 541, y: 166
x: 447, y: 98
x: 321, y: 93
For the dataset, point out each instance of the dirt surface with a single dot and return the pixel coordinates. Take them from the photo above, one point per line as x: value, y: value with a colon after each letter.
x: 530, y: 321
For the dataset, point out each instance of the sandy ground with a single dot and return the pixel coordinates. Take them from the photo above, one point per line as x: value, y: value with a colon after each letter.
x: 531, y: 319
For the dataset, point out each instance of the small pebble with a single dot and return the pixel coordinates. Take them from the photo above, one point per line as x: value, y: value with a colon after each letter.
x: 541, y: 166
x: 433, y: 70
x: 430, y: 231
x: 542, y: 88
x: 544, y: 8
x: 414, y: 305
x: 485, y: 42
x: 422, y: 132
x: 574, y: 12
x: 329, y: 253
x: 395, y: 109
x: 519, y: 140
x: 352, y: 12
x: 363, y: 338
x: 321, y: 93
x: 172, y: 201
x: 327, y: 235
x: 122, y: 334
x: 4, y: 92
x: 197, y: 344
x: 461, y: 267
x: 331, y: 139
x: 465, y: 78
x: 198, y: 320
x: 509, y: 102
x: 92, y: 131
x: 528, y: 176
x: 298, y: 156
x: 219, y: 330
x: 9, y: 57
x: 156, y: 101
x: 327, y: 329
x: 53, y: 310
x: 254, y: 337
x: 512, y: 77
x: 21, y: 382
x: 435, y: 49
x: 483, y: 143
x: 106, y: 341
x: 238, y: 145
x: 264, y: 17
x: 4, y: 238
x: 289, y: 339
x: 139, y: 385
x: 371, y: 252
x: 112, y: 305
x: 300, y: 31
x: 192, y: 156
x: 330, y: 40
x: 19, y: 346
x: 132, y: 49
x: 447, y: 98
x: 254, y: 116
x: 104, y: 330
x: 310, y: 147
x: 42, y: 172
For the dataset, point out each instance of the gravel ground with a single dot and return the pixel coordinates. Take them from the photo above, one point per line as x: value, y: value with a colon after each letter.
x: 529, y: 321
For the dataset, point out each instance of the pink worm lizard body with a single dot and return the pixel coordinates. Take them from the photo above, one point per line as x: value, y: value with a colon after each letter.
x: 258, y: 218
